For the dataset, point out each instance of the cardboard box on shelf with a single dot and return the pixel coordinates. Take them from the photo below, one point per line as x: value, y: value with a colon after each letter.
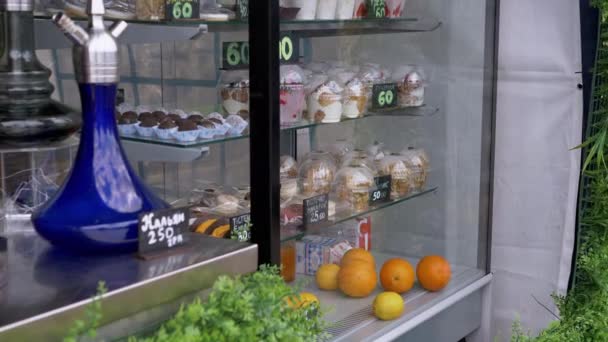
x: 358, y: 232
x: 314, y: 250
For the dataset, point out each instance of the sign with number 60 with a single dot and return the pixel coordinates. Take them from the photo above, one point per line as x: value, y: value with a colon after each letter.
x: 182, y: 9
x: 384, y: 96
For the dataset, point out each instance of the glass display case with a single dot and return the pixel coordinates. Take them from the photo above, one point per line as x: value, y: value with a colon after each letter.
x: 341, y: 125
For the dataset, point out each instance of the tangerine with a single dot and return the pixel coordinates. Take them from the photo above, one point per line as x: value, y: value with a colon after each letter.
x: 397, y: 275
x: 433, y: 272
x: 358, y: 254
x: 357, y: 279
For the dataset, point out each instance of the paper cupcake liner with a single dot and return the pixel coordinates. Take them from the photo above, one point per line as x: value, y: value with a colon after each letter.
x: 186, y: 136
x: 166, y: 133
x: 144, y: 131
x: 206, y: 133
x: 128, y: 129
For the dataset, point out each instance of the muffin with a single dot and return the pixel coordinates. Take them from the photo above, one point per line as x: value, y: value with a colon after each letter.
x: 401, y: 174
x: 324, y: 103
x: 146, y: 125
x: 187, y: 131
x: 145, y: 115
x: 418, y: 160
x: 355, y: 99
x: 127, y: 123
x: 237, y: 124
x: 196, y: 118
x: 159, y: 115
x: 166, y: 128
x: 316, y: 173
x: 174, y: 116
x: 352, y: 186
x: 207, y: 129
x: 410, y: 86
x: 234, y: 92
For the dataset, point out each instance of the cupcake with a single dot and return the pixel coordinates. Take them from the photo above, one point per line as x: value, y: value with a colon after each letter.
x: 159, y: 115
x: 166, y: 128
x: 355, y: 99
x: 237, y: 124
x: 325, y: 103
x: 131, y: 115
x: 187, y: 131
x: 174, y: 116
x: 127, y: 123
x: 145, y: 115
x: 207, y: 129
x: 352, y: 186
x: 316, y: 173
x: 401, y: 174
x: 196, y: 118
x: 146, y: 125
x: 288, y: 167
x: 221, y: 125
x: 234, y: 92
x: 410, y: 86
x: 292, y: 98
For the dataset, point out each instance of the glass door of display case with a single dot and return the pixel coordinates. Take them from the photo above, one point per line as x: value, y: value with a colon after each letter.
x: 386, y: 128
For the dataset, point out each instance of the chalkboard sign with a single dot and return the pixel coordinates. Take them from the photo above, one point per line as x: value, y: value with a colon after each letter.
x: 243, y: 9
x: 162, y: 230
x: 289, y: 48
x: 384, y: 96
x: 240, y: 227
x: 182, y: 9
x: 376, y: 9
x: 316, y: 209
x: 235, y: 55
x: 382, y: 193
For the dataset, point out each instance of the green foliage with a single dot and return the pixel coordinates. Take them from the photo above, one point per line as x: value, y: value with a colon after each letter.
x: 88, y: 326
x: 584, y: 310
x: 245, y: 308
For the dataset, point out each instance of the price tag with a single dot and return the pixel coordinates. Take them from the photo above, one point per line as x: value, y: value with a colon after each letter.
x: 289, y: 48
x: 384, y: 96
x: 182, y: 9
x: 316, y: 209
x: 162, y: 229
x: 243, y: 9
x: 235, y: 55
x: 240, y: 227
x: 376, y: 9
x: 382, y: 192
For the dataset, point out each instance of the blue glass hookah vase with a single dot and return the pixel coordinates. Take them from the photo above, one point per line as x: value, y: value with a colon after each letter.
x: 97, y: 208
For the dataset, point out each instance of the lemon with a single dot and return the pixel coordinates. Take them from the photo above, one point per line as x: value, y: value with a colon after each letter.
x: 388, y: 305
x: 327, y: 277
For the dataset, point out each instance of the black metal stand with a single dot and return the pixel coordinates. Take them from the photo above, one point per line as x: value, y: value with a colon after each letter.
x: 265, y: 129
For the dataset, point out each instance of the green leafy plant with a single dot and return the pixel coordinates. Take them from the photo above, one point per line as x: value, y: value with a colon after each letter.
x: 244, y: 308
x: 88, y: 326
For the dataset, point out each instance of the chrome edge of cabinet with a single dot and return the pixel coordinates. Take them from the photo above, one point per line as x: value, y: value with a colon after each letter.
x: 136, y: 298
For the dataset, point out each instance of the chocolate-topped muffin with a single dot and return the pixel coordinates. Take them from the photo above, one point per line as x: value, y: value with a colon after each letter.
x: 149, y: 121
x: 167, y: 123
x: 196, y: 118
x: 207, y: 124
x: 145, y: 115
x: 159, y: 115
x: 130, y: 115
x: 216, y: 121
x: 126, y: 120
x: 174, y: 116
x: 186, y: 125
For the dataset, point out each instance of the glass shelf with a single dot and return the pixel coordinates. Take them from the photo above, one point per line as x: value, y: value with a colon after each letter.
x: 296, y: 232
x: 145, y: 32
x: 405, y: 112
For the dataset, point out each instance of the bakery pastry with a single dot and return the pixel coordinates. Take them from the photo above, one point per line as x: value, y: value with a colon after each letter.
x: 291, y: 94
x: 352, y: 186
x: 130, y: 115
x: 401, y: 174
x: 355, y: 99
x: 324, y: 103
x: 316, y: 173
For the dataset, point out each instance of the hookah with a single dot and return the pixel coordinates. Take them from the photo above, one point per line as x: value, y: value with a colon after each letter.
x: 97, y: 208
x: 28, y: 115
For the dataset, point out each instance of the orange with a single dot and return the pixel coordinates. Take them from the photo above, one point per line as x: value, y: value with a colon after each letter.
x: 397, y: 275
x: 358, y: 254
x: 433, y: 272
x: 327, y: 277
x: 357, y: 279
x: 388, y: 305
